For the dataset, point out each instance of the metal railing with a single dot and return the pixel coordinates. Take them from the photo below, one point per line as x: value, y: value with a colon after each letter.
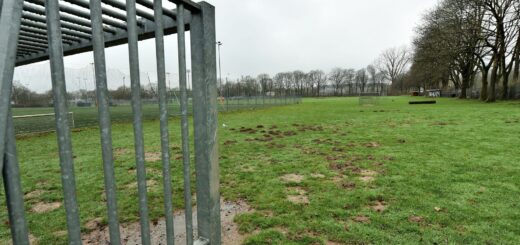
x: 35, y: 30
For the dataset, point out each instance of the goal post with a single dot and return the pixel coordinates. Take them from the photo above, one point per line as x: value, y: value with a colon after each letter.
x: 369, y: 98
x: 38, y: 123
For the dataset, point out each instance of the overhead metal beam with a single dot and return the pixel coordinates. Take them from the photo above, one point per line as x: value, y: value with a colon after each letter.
x: 150, y: 5
x: 122, y: 6
x: 41, y: 19
x: 83, y: 14
x: 189, y: 5
x: 36, y: 9
x: 82, y: 45
x: 37, y: 31
x: 39, y: 25
x: 112, y: 13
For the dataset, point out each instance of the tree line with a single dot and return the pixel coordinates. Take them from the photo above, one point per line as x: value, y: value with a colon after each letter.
x: 461, y: 42
x: 386, y: 75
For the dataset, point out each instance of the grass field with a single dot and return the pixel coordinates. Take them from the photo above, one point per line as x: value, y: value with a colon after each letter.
x: 330, y: 172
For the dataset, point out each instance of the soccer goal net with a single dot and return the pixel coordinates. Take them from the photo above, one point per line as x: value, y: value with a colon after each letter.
x: 369, y: 98
x: 38, y: 123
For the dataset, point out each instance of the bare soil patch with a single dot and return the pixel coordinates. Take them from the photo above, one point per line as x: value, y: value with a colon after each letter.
x: 130, y: 233
x: 362, y: 219
x: 317, y: 176
x: 34, y: 194
x: 300, y: 197
x: 292, y: 178
x: 348, y: 185
x: 94, y: 224
x: 367, y: 175
x: 415, y: 219
x: 372, y: 145
x: 149, y: 184
x: 122, y: 151
x: 379, y: 206
x: 43, y: 207
x: 152, y: 156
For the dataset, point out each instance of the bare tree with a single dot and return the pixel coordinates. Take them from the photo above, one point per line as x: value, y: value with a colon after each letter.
x: 394, y: 62
x: 299, y: 81
x: 337, y: 77
x: 372, y: 71
x: 265, y: 80
x: 318, y: 79
x: 350, y: 77
x: 361, y: 79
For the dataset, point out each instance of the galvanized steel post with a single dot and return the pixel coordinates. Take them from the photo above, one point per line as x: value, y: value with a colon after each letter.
x: 181, y: 42
x: 10, y: 16
x: 105, y: 128
x: 13, y: 188
x: 203, y: 58
x: 163, y: 111
x: 138, y: 124
x: 62, y: 120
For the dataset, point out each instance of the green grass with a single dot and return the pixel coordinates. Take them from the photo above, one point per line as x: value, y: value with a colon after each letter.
x: 446, y: 173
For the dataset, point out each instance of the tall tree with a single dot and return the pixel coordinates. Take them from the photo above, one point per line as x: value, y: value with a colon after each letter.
x: 337, y: 77
x: 394, y: 62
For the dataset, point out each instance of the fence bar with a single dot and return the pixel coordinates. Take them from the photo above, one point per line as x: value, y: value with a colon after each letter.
x: 98, y: 44
x: 13, y: 188
x: 62, y: 120
x: 163, y: 108
x: 10, y: 16
x: 203, y: 58
x: 185, y: 131
x: 133, y: 54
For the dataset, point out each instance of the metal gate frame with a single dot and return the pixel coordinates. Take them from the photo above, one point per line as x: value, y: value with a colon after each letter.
x: 36, y: 30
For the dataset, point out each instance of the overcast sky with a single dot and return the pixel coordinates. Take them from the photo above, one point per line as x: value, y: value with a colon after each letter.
x: 269, y: 36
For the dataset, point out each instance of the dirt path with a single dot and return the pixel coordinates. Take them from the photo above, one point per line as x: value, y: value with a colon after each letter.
x: 130, y: 233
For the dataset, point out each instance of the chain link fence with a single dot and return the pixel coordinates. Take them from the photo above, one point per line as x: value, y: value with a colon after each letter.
x: 40, y: 120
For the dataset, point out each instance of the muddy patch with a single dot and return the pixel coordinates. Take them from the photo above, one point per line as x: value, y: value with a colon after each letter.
x: 292, y: 178
x: 43, y: 207
x: 130, y: 233
x: 298, y: 195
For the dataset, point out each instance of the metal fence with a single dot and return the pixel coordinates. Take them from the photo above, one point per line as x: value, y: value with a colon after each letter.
x: 42, y: 120
x: 36, y: 30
